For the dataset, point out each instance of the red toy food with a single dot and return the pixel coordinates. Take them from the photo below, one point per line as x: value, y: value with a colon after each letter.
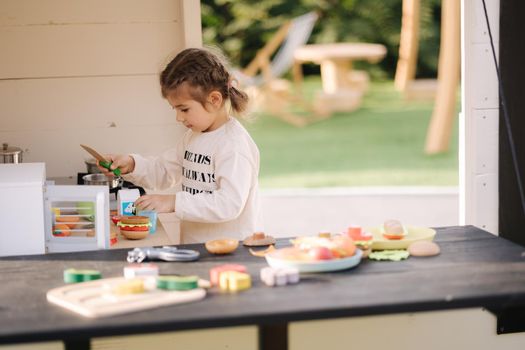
x: 358, y: 235
x: 134, y: 227
x: 115, y: 219
x: 61, y: 230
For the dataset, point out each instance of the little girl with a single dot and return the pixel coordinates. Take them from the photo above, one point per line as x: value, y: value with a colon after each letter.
x: 214, y: 167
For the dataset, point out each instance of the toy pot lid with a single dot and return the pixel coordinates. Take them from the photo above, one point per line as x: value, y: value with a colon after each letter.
x: 7, y: 150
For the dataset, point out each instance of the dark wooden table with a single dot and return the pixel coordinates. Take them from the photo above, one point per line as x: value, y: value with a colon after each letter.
x: 474, y: 269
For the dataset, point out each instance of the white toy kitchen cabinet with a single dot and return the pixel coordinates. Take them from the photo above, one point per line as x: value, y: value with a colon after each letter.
x: 39, y: 218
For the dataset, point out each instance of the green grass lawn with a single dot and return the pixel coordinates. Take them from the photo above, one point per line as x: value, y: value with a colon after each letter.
x: 381, y: 144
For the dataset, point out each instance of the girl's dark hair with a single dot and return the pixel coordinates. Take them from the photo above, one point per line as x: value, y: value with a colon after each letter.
x: 204, y: 72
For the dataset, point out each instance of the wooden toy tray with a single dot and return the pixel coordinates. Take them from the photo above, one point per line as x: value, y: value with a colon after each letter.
x: 95, y: 298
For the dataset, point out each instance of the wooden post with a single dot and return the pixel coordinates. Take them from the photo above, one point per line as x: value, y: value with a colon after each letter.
x: 439, y: 130
x: 191, y: 15
x: 409, y: 44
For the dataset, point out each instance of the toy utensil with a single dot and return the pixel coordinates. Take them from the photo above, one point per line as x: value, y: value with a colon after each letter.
x: 138, y: 255
x: 101, y: 160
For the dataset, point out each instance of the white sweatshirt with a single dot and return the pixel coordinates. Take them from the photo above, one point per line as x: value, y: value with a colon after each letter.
x: 216, y: 177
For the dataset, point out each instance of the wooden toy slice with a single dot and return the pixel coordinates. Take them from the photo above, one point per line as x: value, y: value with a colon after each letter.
x: 233, y: 281
x: 217, y: 270
x: 131, y: 286
x: 76, y: 276
x: 177, y: 282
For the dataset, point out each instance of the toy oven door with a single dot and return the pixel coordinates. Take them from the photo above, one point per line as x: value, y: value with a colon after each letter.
x: 76, y: 218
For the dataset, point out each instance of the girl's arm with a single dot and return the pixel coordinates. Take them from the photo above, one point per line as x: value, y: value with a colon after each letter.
x: 160, y: 172
x: 235, y: 174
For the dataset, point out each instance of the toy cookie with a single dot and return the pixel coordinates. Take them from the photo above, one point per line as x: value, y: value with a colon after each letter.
x: 177, y: 282
x: 423, y: 248
x: 258, y: 239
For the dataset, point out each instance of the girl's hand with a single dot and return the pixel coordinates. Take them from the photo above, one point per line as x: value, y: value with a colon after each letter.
x: 124, y: 162
x: 161, y: 203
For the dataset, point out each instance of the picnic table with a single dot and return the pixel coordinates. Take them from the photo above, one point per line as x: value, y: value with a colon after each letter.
x: 343, y: 87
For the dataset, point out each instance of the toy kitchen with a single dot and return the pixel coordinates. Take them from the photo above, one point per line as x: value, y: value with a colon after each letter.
x: 41, y: 216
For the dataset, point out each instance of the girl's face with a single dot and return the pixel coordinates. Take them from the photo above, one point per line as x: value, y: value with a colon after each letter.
x: 193, y: 114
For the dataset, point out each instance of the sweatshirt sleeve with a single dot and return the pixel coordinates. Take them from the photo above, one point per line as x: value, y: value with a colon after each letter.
x: 234, y: 175
x: 160, y: 172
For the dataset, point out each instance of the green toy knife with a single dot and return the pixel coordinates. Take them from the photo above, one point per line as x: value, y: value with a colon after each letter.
x: 101, y: 160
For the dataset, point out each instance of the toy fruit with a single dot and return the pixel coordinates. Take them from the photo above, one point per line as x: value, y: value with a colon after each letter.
x: 343, y: 246
x: 340, y: 246
x: 320, y: 253
x: 291, y: 254
x: 61, y: 230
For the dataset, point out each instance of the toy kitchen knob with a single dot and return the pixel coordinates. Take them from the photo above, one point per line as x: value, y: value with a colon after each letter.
x: 10, y: 154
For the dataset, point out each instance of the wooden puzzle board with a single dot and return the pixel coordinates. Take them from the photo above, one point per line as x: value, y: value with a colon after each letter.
x: 95, y: 298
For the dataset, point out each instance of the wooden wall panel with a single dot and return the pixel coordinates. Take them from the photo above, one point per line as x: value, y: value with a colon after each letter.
x: 87, y: 49
x: 60, y: 12
x: 60, y: 148
x: 78, y: 103
x: 479, y: 99
x: 49, y: 118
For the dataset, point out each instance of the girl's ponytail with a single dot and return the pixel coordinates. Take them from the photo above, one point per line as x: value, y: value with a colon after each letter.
x: 238, y: 99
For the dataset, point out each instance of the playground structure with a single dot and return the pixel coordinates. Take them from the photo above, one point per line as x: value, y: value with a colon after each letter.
x: 444, y: 90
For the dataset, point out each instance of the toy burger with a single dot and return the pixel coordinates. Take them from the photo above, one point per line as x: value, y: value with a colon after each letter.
x: 393, y: 229
x: 134, y: 227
